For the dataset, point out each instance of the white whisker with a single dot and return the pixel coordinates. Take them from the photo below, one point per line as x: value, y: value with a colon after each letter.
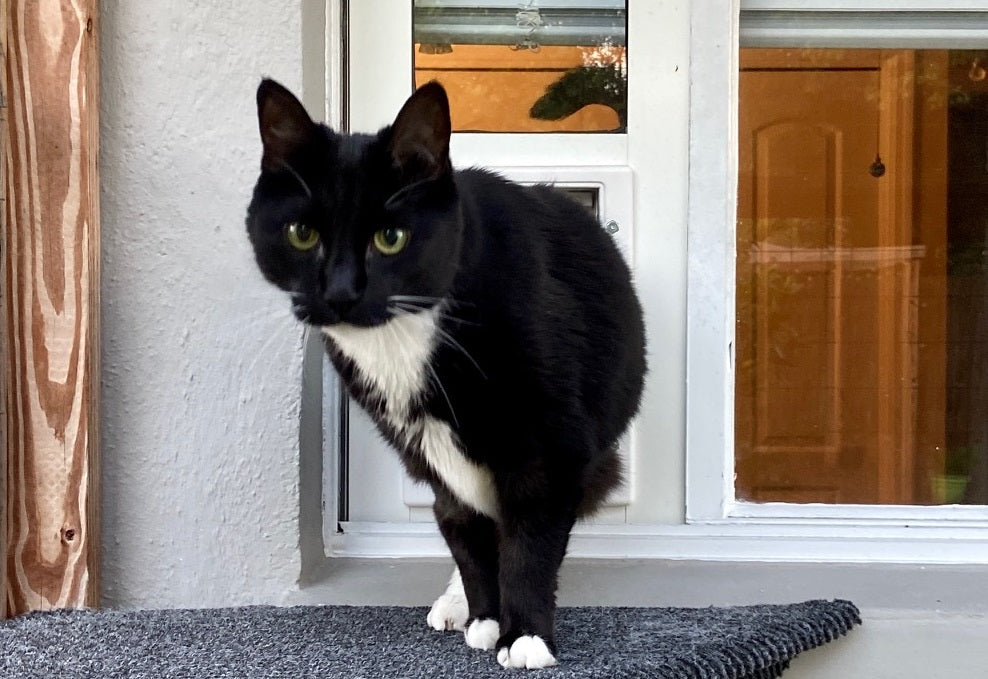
x: 262, y: 352
x: 428, y: 364
x: 405, y: 307
x: 444, y: 314
x: 449, y: 341
x: 440, y: 305
x: 415, y: 299
x: 396, y: 309
x: 439, y: 384
x: 444, y: 336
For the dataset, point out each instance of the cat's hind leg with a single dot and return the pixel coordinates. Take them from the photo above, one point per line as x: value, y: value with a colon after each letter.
x: 472, y: 540
x: 450, y: 611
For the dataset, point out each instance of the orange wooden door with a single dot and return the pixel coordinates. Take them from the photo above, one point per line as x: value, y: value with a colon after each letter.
x: 824, y: 277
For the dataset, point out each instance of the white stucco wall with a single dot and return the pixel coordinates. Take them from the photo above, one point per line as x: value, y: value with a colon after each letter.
x: 201, y: 361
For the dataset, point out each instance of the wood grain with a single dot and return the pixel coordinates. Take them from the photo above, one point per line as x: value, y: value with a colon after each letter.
x: 50, y: 281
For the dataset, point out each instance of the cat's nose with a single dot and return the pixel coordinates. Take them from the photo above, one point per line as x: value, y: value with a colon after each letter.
x: 342, y: 283
x: 341, y: 294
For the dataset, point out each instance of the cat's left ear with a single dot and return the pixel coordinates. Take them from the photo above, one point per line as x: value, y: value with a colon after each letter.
x: 284, y: 124
x: 420, y: 134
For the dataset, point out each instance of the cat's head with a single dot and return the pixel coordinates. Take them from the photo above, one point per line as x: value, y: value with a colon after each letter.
x: 347, y: 223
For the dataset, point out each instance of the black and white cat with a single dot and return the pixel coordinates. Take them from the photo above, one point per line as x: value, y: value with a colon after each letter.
x: 490, y: 330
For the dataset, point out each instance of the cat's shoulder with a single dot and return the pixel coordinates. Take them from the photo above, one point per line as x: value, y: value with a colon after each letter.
x: 491, y: 187
x: 473, y: 178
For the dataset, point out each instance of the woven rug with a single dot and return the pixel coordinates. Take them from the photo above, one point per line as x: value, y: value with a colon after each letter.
x: 330, y: 642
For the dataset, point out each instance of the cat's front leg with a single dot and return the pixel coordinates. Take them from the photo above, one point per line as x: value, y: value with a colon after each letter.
x: 533, y: 543
x: 472, y: 540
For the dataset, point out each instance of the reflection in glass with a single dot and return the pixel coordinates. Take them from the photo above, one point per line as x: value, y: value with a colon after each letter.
x: 536, y: 66
x: 862, y: 296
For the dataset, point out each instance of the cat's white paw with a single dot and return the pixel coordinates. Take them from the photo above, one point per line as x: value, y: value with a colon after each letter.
x: 483, y: 633
x: 527, y: 652
x: 450, y: 611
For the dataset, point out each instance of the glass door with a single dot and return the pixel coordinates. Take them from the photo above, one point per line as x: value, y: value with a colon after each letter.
x: 539, y: 93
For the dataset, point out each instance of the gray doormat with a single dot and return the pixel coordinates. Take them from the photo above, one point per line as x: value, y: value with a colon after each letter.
x: 331, y: 642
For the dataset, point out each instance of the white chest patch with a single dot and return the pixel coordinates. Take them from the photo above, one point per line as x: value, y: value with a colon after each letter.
x: 393, y: 360
x: 470, y: 482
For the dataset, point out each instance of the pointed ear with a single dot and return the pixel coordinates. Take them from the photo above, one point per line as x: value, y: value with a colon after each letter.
x: 284, y: 124
x: 420, y: 134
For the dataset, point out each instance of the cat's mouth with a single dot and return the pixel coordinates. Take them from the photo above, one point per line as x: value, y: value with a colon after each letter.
x: 323, y: 314
x: 312, y: 314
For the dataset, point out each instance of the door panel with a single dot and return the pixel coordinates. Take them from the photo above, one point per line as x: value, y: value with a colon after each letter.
x: 819, y: 258
x: 383, y: 54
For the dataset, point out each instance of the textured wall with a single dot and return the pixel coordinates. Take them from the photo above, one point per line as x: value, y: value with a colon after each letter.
x: 201, y: 362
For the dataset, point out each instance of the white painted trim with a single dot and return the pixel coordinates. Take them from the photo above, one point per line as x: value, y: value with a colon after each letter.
x: 331, y: 453
x: 847, y: 23
x: 514, y: 5
x: 973, y: 515
x: 334, y: 98
x: 335, y: 82
x: 710, y: 247
x: 711, y: 237
x: 783, y: 541
x: 865, y: 5
x: 515, y: 149
x: 839, y: 35
x: 381, y: 84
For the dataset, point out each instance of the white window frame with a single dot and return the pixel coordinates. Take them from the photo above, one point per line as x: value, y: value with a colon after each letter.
x: 875, y: 533
x: 710, y: 524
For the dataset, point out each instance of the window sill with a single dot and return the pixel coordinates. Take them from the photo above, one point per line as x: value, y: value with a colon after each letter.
x: 876, y: 541
x: 909, y: 590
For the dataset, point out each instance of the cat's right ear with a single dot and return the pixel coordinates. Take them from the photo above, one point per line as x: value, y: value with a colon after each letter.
x: 420, y: 134
x: 284, y: 124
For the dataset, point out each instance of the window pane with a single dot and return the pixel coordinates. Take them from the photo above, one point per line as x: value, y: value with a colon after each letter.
x: 862, y: 277
x: 516, y: 67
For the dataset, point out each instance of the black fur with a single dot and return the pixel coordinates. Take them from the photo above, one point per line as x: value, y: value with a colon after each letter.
x: 549, y: 355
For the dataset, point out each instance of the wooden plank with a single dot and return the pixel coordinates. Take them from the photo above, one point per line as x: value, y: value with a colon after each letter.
x: 50, y: 260
x: 799, y: 58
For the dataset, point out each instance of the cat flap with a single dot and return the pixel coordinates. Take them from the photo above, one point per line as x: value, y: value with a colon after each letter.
x: 420, y: 134
x: 284, y: 124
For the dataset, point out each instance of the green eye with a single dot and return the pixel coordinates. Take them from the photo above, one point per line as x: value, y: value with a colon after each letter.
x: 391, y: 241
x: 301, y: 236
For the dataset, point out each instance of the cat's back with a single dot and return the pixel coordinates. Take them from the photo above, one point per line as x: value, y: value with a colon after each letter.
x: 546, y: 266
x: 537, y: 239
x: 538, y: 221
